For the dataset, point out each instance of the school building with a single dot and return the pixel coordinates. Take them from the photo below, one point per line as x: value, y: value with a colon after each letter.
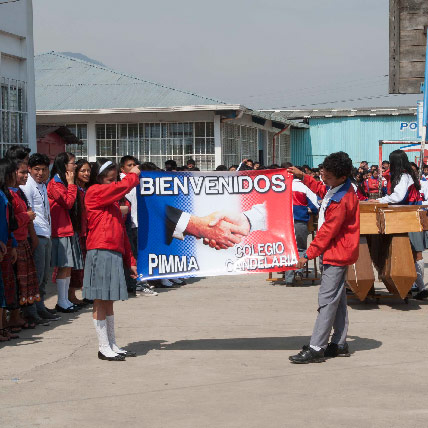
x: 355, y: 131
x: 17, y: 101
x: 115, y: 114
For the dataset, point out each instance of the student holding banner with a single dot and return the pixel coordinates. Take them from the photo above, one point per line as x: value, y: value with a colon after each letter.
x: 108, y: 250
x: 337, y: 241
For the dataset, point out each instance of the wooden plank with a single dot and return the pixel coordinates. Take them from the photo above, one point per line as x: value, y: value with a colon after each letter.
x: 413, y: 37
x: 360, y: 276
x: 395, y: 221
x: 413, y: 69
x: 413, y: 5
x: 413, y: 21
x: 409, y: 86
x: 413, y: 53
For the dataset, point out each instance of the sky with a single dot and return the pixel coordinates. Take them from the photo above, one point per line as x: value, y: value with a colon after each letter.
x: 264, y: 54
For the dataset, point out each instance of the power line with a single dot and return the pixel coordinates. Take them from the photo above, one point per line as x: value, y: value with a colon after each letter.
x: 375, y: 78
x: 372, y: 97
x: 11, y: 1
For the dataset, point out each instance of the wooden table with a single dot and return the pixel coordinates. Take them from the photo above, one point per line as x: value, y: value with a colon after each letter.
x: 385, y: 244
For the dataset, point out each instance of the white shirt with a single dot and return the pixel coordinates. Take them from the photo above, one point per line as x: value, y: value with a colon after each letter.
x: 325, y: 202
x: 400, y: 190
x: 37, y: 196
x: 132, y: 198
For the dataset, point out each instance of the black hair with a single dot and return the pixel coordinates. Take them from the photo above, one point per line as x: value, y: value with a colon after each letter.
x: 148, y: 166
x: 79, y: 164
x: 221, y: 168
x: 59, y: 168
x: 170, y: 165
x: 286, y: 165
x: 38, y: 159
x: 385, y: 161
x: 7, y: 174
x: 250, y: 160
x: 399, y: 164
x: 233, y: 166
x: 360, y: 182
x: 273, y: 166
x: 339, y: 164
x: 17, y: 152
x: 126, y: 159
x: 96, y: 177
x: 364, y: 162
x: 191, y: 161
x: 414, y: 166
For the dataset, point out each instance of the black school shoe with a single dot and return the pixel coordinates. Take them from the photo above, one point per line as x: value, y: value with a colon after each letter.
x: 118, y: 357
x: 422, y: 295
x: 308, y: 355
x: 333, y: 350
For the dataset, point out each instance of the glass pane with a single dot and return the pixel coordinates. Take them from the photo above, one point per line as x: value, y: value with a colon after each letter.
x: 155, y: 147
x: 200, y: 129
x: 141, y: 130
x: 210, y: 145
x: 123, y: 131
x: 178, y: 146
x: 101, y: 132
x: 144, y: 147
x: 200, y: 145
x: 122, y: 147
x: 82, y: 132
x: 188, y: 130
x: 188, y: 145
x: 111, y: 132
x: 154, y: 130
x: 210, y: 129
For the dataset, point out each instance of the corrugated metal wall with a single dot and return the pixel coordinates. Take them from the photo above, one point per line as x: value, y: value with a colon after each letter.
x: 357, y: 136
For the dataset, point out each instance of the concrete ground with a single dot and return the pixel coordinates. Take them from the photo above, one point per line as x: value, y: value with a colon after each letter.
x: 214, y: 353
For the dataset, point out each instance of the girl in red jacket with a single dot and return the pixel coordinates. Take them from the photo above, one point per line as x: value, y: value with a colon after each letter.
x: 65, y: 215
x: 337, y: 241
x: 108, y: 250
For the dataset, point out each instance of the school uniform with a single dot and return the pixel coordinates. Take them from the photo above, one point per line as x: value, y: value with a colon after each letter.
x: 107, y: 242
x: 37, y: 197
x: 65, y: 242
x: 28, y: 286
x: 337, y: 242
x: 303, y: 199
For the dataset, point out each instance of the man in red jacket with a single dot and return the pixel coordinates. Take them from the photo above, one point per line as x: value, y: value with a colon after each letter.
x: 337, y: 242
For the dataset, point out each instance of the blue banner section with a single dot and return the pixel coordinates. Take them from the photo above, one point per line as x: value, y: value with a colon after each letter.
x: 157, y: 215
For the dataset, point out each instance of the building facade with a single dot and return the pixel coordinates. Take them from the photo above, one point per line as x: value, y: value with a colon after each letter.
x: 17, y: 83
x: 354, y: 131
x: 115, y: 115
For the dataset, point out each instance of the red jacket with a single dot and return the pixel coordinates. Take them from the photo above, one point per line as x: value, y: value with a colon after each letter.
x: 61, y: 200
x: 20, y: 211
x: 105, y: 223
x: 338, y: 238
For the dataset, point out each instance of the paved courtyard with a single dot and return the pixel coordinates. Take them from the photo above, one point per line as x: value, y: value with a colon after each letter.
x: 214, y: 353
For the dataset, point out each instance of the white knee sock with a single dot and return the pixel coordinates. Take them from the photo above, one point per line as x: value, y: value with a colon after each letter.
x: 62, y: 300
x: 420, y: 267
x: 112, y: 336
x: 67, y: 286
x: 104, y: 346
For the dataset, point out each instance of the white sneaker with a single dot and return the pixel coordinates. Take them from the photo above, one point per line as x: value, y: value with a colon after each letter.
x: 146, y: 291
x: 166, y: 283
x: 177, y: 281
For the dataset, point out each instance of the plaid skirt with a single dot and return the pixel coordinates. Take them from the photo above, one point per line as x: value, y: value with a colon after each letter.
x: 2, y: 299
x: 9, y: 280
x: 28, y: 285
x: 76, y: 280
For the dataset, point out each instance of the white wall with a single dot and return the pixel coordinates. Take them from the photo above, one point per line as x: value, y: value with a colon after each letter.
x: 17, y: 54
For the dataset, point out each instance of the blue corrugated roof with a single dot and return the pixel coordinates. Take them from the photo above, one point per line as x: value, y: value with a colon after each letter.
x: 67, y: 83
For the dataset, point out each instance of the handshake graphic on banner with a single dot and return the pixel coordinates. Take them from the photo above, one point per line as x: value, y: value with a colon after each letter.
x: 219, y: 230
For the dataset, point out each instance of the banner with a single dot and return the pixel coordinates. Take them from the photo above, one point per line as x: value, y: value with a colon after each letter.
x: 214, y: 223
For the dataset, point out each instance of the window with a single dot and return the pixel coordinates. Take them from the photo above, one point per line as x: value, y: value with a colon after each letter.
x: 239, y: 142
x: 81, y: 132
x: 282, y: 148
x: 158, y: 142
x: 13, y: 113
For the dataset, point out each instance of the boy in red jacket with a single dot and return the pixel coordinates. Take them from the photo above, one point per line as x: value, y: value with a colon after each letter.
x: 337, y: 242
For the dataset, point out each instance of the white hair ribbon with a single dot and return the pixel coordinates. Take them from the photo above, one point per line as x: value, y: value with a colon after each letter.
x: 104, y: 166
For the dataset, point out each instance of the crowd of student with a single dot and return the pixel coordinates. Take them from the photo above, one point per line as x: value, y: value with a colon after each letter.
x: 80, y: 218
